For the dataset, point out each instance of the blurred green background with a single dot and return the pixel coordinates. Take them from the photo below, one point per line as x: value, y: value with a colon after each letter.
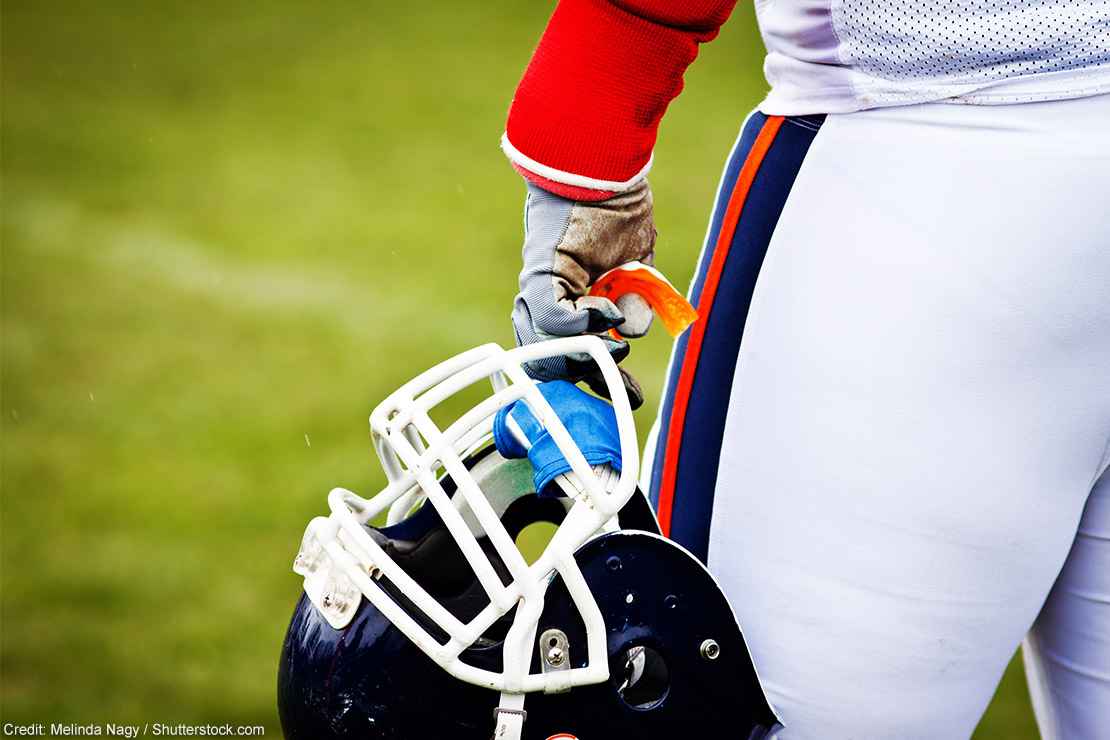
x: 228, y: 230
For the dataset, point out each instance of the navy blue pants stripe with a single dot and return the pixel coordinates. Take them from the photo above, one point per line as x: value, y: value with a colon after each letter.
x: 707, y: 405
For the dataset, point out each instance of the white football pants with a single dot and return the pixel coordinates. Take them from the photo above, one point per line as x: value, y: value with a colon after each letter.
x: 909, y: 473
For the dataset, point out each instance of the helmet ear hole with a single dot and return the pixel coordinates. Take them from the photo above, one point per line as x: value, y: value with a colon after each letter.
x: 643, y: 679
x: 533, y: 538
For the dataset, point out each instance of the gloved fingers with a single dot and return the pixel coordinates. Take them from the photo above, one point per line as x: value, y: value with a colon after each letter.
x: 631, y: 386
x: 587, y: 370
x: 581, y: 367
x: 553, y: 313
x: 549, y: 368
x: 588, y: 315
x: 599, y: 315
x: 571, y: 367
x: 603, y: 313
x: 637, y: 315
x: 575, y: 367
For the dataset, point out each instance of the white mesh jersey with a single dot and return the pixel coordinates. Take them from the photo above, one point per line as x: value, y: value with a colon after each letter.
x: 836, y: 56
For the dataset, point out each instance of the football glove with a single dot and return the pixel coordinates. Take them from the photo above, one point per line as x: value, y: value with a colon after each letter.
x: 567, y: 246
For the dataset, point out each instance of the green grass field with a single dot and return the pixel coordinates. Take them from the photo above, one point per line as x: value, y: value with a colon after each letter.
x: 228, y: 231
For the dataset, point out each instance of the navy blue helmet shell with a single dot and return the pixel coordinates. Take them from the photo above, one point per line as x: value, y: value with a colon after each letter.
x: 677, y: 660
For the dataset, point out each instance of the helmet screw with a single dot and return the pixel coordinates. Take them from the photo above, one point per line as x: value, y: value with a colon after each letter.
x: 555, y: 652
x: 555, y: 656
x: 710, y: 650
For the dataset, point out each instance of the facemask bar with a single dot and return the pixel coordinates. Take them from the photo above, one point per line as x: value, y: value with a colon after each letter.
x: 341, y: 562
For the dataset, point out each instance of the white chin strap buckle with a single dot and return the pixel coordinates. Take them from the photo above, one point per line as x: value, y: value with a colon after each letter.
x: 510, y: 716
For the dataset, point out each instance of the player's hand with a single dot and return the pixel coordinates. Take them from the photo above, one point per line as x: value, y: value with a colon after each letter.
x: 567, y: 246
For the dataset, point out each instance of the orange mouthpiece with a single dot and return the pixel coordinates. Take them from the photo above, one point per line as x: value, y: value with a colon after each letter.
x: 669, y: 305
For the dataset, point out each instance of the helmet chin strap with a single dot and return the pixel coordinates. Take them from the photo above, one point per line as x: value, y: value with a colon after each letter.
x: 510, y: 717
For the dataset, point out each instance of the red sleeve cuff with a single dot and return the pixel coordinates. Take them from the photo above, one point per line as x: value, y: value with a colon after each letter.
x: 586, y: 112
x: 567, y: 191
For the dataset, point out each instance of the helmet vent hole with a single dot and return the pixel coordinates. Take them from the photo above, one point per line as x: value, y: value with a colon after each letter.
x: 642, y: 677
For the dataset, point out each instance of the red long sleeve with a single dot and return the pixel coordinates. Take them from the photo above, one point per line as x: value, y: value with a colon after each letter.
x: 584, y: 117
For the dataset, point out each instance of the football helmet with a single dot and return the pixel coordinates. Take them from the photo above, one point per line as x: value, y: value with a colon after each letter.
x: 422, y: 619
